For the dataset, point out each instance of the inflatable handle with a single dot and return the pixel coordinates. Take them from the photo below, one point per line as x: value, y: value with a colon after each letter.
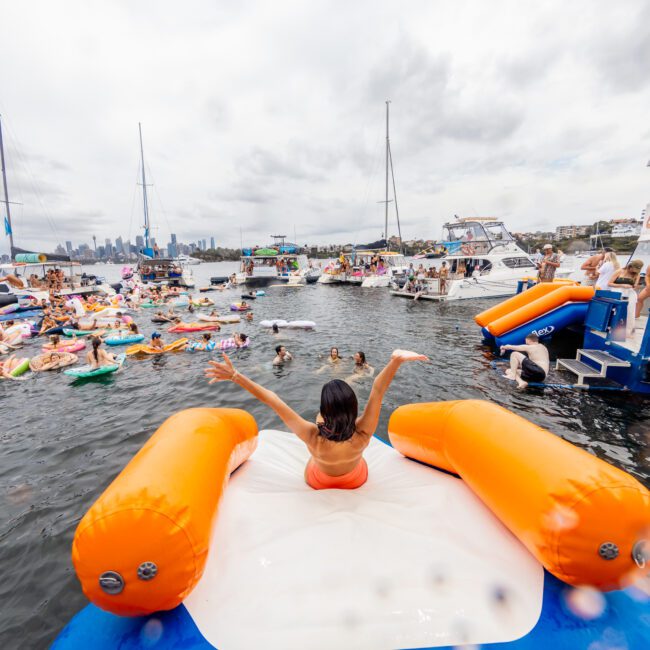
x: 582, y: 518
x: 31, y: 258
x: 143, y: 545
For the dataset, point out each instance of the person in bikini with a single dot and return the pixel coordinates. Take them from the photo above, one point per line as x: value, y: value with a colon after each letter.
x: 528, y: 362
x: 338, y: 438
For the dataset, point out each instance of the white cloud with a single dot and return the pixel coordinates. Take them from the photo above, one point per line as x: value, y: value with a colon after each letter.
x: 265, y: 116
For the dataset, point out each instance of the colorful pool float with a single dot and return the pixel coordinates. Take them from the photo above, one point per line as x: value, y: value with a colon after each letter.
x: 193, y: 327
x: 83, y: 372
x: 536, y: 546
x: 124, y: 340
x: 63, y: 347
x: 229, y: 319
x: 52, y: 360
x: 140, y: 348
x: 237, y: 306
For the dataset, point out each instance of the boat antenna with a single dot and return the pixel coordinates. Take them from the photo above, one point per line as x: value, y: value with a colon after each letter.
x: 8, y: 230
x: 399, y: 228
x: 144, y: 193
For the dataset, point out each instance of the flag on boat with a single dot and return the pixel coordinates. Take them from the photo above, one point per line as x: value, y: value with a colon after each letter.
x: 7, y: 226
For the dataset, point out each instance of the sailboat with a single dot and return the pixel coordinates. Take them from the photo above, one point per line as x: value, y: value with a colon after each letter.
x: 33, y: 266
x: 151, y: 266
x: 391, y: 266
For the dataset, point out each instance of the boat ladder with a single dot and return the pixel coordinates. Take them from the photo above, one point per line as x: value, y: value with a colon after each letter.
x: 600, y: 362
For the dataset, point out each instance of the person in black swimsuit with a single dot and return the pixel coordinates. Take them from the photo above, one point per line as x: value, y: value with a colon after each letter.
x: 528, y: 362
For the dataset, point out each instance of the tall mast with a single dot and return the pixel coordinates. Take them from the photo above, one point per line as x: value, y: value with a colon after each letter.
x: 144, y: 193
x: 8, y: 228
x: 387, y: 162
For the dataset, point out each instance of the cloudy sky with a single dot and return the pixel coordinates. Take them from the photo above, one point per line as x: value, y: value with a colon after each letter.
x: 269, y: 116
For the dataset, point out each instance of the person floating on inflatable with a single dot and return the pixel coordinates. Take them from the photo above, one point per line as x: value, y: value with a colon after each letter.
x: 338, y: 438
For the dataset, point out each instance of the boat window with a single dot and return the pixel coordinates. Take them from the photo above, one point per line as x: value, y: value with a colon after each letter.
x: 518, y: 263
x: 465, y: 232
x: 498, y: 232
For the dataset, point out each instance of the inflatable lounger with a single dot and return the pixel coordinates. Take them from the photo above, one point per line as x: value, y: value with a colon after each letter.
x: 237, y: 306
x: 84, y: 372
x: 63, y: 347
x: 193, y: 327
x: 231, y: 318
x: 21, y: 368
x: 229, y: 344
x: 68, y: 331
x: 52, y: 360
x: 124, y: 340
x: 295, y: 324
x: 141, y: 348
x: 176, y: 552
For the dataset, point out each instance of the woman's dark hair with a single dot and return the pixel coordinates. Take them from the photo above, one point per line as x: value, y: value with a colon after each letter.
x: 96, y: 342
x: 275, y: 328
x: 55, y: 339
x: 362, y: 356
x: 133, y: 327
x: 243, y: 337
x: 332, y: 350
x: 207, y: 336
x: 339, y: 409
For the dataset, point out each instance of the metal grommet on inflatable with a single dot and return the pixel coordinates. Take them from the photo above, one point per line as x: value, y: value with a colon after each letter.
x: 111, y: 583
x: 147, y: 571
x: 608, y: 551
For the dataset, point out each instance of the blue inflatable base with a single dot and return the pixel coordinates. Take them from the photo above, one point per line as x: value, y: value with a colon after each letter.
x: 624, y: 623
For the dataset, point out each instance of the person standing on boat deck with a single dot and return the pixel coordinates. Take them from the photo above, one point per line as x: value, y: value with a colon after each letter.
x: 626, y: 280
x: 338, y: 437
x: 644, y: 293
x: 442, y: 277
x: 590, y: 267
x: 605, y: 271
x: 528, y: 362
x: 549, y: 264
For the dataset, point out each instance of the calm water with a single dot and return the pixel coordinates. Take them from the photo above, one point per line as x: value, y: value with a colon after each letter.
x: 63, y: 443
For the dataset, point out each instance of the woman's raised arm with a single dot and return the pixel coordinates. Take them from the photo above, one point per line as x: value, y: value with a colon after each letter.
x: 368, y: 421
x: 226, y: 372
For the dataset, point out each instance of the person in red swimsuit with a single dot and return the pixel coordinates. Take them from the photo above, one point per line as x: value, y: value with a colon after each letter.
x: 338, y: 438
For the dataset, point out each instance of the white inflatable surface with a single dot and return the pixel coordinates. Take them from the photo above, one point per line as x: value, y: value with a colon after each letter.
x: 412, y: 559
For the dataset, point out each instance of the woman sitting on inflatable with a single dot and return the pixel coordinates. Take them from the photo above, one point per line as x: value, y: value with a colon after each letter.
x: 338, y: 438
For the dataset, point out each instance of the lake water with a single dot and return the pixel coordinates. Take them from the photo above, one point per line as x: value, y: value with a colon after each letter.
x: 63, y: 443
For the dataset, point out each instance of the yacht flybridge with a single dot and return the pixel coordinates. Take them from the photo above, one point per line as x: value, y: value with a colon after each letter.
x: 483, y: 260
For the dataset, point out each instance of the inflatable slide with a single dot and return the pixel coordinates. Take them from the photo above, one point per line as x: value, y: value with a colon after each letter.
x: 543, y: 309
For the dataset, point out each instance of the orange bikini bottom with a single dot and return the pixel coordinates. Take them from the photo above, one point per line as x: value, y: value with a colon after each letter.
x: 318, y: 480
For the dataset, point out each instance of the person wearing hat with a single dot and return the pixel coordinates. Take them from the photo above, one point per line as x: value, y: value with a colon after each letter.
x: 156, y: 341
x: 626, y: 280
x: 549, y: 264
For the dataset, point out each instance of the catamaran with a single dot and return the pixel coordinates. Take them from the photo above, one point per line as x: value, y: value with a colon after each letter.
x: 279, y: 262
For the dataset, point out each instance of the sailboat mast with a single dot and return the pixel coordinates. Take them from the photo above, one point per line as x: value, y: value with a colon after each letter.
x: 144, y: 193
x: 387, y: 162
x: 4, y: 183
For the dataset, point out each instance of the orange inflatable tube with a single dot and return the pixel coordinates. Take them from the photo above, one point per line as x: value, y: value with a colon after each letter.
x: 143, y: 545
x: 521, y: 299
x: 552, y: 300
x: 583, y: 519
x: 145, y: 348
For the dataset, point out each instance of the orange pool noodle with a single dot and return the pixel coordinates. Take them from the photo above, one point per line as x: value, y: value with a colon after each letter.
x: 559, y: 500
x: 161, y: 509
x: 513, y: 303
x: 540, y: 306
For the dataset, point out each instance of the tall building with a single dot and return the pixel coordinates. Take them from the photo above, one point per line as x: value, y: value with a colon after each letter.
x: 108, y: 247
x: 212, y: 246
x: 139, y: 242
x: 119, y: 246
x: 204, y: 244
x: 174, y: 239
x: 68, y: 247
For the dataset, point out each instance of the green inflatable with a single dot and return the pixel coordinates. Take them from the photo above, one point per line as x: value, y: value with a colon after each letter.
x: 85, y: 371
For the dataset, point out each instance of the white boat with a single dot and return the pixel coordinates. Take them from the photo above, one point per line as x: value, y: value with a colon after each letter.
x: 483, y: 261
x: 266, y: 266
x: 391, y: 269
x: 75, y: 282
x: 188, y: 260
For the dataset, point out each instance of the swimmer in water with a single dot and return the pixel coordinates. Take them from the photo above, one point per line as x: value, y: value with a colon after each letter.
x: 339, y: 436
x: 156, y: 341
x: 275, y: 329
x: 361, y: 367
x: 332, y: 360
x: 282, y: 355
x: 528, y: 362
